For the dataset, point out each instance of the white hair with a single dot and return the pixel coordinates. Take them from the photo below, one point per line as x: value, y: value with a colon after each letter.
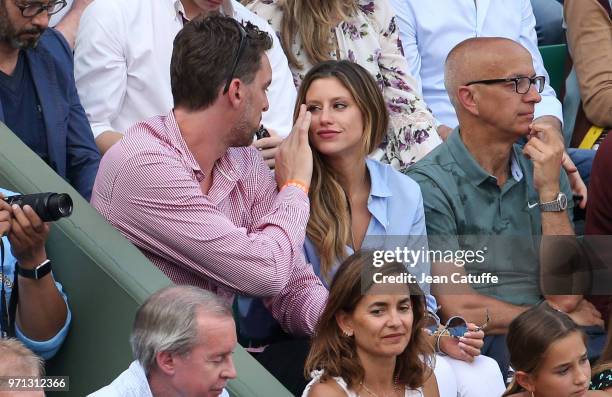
x: 167, y: 321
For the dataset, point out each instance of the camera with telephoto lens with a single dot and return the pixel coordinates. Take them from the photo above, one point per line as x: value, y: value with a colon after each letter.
x: 48, y: 206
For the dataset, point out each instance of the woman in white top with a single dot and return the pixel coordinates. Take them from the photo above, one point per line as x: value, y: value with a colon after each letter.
x: 364, y: 344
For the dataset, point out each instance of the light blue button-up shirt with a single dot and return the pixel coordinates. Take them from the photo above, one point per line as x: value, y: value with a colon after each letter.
x: 396, y: 208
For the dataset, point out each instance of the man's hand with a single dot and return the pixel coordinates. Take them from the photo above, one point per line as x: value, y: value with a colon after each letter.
x: 294, y: 156
x: 576, y: 182
x: 268, y: 147
x: 465, y: 348
x: 545, y: 149
x: 444, y: 131
x: 586, y: 314
x: 5, y: 216
x: 28, y: 236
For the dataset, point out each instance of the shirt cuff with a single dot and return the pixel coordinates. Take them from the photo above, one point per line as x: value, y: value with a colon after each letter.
x: 432, y: 306
x: 549, y: 107
x: 99, y: 128
x: 46, y: 349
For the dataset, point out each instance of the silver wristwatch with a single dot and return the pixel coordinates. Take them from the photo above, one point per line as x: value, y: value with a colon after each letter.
x: 557, y: 205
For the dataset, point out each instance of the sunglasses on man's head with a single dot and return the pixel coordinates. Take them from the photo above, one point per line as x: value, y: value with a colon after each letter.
x: 455, y: 327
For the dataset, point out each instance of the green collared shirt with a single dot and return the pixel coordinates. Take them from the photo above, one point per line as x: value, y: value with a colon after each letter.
x: 462, y: 201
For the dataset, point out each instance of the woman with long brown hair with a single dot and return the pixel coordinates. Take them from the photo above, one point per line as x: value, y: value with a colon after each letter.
x: 356, y: 203
x: 365, y: 32
x: 368, y: 340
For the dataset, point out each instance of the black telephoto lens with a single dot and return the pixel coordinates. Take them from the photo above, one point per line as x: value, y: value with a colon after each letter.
x: 48, y: 206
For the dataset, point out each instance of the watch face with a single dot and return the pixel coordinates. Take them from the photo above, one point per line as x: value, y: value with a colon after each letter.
x: 562, y: 199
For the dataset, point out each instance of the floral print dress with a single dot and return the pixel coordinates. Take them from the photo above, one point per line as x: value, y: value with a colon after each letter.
x: 371, y: 39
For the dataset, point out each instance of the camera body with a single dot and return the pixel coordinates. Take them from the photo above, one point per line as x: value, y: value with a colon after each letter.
x: 48, y: 206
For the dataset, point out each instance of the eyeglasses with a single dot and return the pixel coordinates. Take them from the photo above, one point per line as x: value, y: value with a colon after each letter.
x: 243, y: 37
x: 30, y: 10
x: 521, y: 84
x: 455, y: 326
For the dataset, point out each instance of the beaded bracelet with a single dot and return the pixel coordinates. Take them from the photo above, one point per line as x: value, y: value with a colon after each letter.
x: 295, y: 183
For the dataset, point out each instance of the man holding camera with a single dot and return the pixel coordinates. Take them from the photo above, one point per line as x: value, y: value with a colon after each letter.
x: 34, y: 308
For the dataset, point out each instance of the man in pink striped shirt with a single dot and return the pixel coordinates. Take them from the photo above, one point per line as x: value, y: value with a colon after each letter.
x: 190, y: 192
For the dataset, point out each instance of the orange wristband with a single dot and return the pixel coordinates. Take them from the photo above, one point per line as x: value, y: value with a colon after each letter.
x: 294, y: 182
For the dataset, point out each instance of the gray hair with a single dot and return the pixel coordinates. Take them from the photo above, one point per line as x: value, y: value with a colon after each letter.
x: 18, y: 360
x: 167, y: 321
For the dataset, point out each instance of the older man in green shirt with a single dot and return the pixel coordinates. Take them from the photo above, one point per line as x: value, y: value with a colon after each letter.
x: 480, y: 184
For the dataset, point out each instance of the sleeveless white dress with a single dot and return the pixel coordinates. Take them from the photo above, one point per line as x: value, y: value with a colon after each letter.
x: 316, y: 376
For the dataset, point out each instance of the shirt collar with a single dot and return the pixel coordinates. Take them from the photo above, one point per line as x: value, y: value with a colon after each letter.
x: 178, y: 142
x: 378, y: 179
x: 476, y: 174
x: 379, y: 191
x: 138, y: 382
x: 515, y: 167
x: 226, y: 8
x: 226, y: 165
x: 178, y: 7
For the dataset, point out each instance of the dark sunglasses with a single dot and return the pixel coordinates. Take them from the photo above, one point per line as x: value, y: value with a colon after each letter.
x: 30, y: 10
x: 243, y: 38
x: 455, y: 327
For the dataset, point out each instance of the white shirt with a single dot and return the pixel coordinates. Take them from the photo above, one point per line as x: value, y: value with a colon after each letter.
x: 131, y: 383
x: 122, y: 63
x: 56, y: 18
x: 428, y: 35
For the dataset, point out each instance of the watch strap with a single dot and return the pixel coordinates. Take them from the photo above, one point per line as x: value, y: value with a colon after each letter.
x: 550, y: 206
x: 38, y: 272
x: 554, y: 205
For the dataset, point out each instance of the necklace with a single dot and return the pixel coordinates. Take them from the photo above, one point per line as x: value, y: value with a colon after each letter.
x: 371, y: 393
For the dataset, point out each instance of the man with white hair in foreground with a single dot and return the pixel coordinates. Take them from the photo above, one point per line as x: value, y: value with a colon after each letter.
x: 183, y: 339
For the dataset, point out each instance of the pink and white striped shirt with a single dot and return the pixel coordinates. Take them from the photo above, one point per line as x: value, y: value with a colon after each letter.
x: 243, y: 237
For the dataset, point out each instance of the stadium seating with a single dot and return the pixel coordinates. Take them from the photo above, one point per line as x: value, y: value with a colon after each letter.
x: 555, y: 58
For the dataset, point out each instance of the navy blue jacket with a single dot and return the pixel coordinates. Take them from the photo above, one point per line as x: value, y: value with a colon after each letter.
x: 72, y: 151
